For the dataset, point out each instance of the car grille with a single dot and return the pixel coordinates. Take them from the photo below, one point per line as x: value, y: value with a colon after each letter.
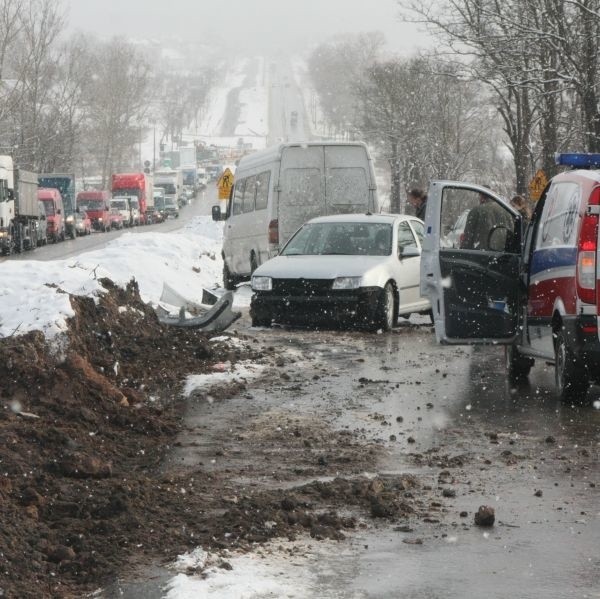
x: 302, y: 287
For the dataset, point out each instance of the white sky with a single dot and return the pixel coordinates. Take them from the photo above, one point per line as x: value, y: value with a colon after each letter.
x: 248, y: 24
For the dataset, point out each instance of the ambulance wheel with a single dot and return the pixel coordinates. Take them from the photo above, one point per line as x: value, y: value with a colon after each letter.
x: 518, y: 366
x: 570, y: 374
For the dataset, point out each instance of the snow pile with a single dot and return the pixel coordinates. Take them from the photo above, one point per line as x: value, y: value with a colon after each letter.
x: 34, y: 294
x: 253, y: 575
x: 224, y: 373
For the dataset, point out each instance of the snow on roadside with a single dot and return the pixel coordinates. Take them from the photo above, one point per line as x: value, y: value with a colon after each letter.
x: 224, y: 373
x: 212, y: 115
x: 34, y: 294
x: 266, y: 573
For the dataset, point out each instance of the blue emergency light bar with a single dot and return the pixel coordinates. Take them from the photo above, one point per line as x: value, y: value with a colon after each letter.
x: 578, y: 160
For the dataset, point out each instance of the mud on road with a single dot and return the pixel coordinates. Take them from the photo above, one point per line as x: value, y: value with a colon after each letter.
x: 106, y: 468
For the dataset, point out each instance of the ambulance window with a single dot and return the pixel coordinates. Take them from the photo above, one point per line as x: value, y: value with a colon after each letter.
x: 558, y: 225
x: 471, y: 220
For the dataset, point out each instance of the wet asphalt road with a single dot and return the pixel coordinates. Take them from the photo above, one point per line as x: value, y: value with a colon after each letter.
x: 455, y: 402
x: 541, y: 547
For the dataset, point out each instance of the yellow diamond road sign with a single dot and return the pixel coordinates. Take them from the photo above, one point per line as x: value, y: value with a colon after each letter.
x: 225, y: 183
x: 537, y: 185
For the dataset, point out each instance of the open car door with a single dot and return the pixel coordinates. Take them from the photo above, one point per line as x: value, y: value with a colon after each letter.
x: 470, y: 264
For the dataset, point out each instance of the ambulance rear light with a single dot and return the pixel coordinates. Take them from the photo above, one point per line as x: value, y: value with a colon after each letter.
x: 576, y: 160
x: 586, y: 255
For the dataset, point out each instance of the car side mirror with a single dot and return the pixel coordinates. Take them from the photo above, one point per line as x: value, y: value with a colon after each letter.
x: 409, y: 251
x: 58, y: 211
x: 217, y: 215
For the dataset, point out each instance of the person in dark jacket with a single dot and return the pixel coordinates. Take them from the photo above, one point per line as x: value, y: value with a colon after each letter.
x: 417, y: 198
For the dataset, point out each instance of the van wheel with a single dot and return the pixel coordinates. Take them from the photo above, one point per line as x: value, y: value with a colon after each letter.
x: 517, y: 365
x: 385, y: 317
x: 570, y: 374
x: 228, y: 279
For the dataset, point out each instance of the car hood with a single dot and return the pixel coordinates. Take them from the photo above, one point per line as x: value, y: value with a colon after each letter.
x: 318, y: 267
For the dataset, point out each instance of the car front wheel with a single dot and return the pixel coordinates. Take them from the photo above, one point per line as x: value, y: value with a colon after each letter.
x: 571, y: 376
x: 385, y: 317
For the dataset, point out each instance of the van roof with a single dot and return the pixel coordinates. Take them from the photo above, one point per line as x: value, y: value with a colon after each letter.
x: 274, y: 153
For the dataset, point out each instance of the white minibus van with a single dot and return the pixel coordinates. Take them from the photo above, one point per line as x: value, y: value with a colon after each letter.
x: 278, y: 189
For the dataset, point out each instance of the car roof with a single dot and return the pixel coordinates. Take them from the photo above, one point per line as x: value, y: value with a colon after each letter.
x: 362, y: 218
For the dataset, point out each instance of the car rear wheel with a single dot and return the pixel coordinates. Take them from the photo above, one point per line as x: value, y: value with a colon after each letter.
x: 571, y: 376
x: 385, y: 318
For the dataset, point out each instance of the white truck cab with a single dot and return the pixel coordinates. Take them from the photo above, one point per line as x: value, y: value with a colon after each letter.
x: 535, y: 288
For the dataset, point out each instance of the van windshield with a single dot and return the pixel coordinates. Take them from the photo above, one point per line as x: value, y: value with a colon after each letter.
x: 87, y: 205
x: 168, y: 187
x: 48, y: 207
x: 119, y: 204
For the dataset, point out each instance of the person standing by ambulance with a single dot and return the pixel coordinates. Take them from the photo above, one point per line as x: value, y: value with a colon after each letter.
x: 417, y: 198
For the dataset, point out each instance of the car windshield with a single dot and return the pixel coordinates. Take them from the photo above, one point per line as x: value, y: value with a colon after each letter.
x: 339, y: 238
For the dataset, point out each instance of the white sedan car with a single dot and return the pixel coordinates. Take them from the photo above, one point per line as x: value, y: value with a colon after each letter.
x: 357, y: 269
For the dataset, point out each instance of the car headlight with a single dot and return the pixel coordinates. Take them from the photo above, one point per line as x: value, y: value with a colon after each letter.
x: 346, y: 283
x: 100, y: 219
x: 69, y: 219
x: 262, y: 283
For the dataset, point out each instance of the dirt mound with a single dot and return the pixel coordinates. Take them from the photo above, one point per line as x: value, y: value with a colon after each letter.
x: 85, y: 421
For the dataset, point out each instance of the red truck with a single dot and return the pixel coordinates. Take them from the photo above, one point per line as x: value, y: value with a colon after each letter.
x: 139, y: 185
x: 55, y: 216
x: 97, y: 205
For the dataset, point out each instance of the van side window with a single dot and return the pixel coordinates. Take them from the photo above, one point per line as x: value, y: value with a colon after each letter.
x: 262, y: 190
x: 249, y: 193
x: 238, y: 196
x: 560, y: 216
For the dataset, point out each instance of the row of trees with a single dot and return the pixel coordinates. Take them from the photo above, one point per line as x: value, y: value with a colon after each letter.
x: 421, y: 115
x: 539, y: 59
x: 80, y: 104
x: 517, y: 75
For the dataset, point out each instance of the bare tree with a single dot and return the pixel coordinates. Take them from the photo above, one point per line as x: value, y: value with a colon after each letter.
x: 116, y: 102
x: 540, y: 58
x: 424, y: 119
